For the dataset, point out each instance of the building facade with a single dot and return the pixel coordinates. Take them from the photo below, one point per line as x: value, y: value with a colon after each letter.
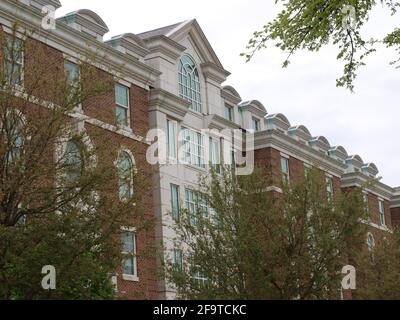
x: 173, y: 81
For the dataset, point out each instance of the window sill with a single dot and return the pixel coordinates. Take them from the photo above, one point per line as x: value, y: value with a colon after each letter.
x: 132, y: 278
x: 124, y: 129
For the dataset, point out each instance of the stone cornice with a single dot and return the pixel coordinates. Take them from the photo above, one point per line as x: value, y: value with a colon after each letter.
x: 229, y: 97
x: 166, y: 46
x: 215, y: 121
x: 77, y: 44
x: 214, y: 72
x: 358, y: 179
x: 395, y: 201
x: 284, y: 143
x: 168, y: 103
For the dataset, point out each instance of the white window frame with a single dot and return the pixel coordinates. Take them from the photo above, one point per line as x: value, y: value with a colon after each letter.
x: 21, y: 63
x: 370, y: 244
x: 193, y: 150
x: 381, y: 209
x: 131, y: 277
x: 172, y: 150
x: 330, y: 192
x: 192, y: 204
x: 76, y: 86
x: 175, y: 215
x: 132, y: 173
x: 229, y: 113
x: 285, y: 175
x: 127, y: 108
x: 366, y: 204
x: 215, y: 154
x: 255, y: 124
x: 178, y: 263
x: 186, y: 80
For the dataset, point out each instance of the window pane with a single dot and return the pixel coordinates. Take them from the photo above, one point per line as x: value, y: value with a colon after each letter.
x: 125, y: 174
x: 72, y: 72
x: 172, y: 139
x: 128, y: 242
x: 175, y: 201
x: 122, y: 116
x: 128, y: 266
x: 121, y: 95
x: 73, y: 161
x: 178, y: 259
x: 189, y: 82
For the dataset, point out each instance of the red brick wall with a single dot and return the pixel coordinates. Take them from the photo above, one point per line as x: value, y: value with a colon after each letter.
x: 146, y: 288
x: 102, y: 107
x: 395, y: 216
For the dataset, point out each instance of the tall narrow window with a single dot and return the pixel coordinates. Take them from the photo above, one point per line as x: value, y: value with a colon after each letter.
x: 215, y: 155
x: 195, y: 204
x: 13, y: 126
x: 228, y: 113
x: 122, y: 105
x: 73, y: 161
x: 241, y: 118
x: 256, y: 125
x: 172, y: 139
x: 370, y: 242
x: 366, y: 205
x: 73, y: 78
x: 285, y: 170
x: 193, y: 146
x: 382, y: 219
x: 175, y: 202
x: 329, y: 188
x: 13, y: 60
x: 125, y: 175
x: 189, y: 82
x: 178, y: 260
x: 129, y: 267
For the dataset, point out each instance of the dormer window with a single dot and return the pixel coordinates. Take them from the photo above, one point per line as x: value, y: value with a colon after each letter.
x: 256, y: 125
x: 189, y: 83
x: 228, y: 113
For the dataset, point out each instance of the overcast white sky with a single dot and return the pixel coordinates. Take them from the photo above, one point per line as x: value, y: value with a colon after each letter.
x: 365, y: 123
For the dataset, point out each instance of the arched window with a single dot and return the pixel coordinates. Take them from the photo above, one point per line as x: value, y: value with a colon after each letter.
x: 189, y: 82
x: 73, y: 161
x: 125, y: 175
x: 370, y: 242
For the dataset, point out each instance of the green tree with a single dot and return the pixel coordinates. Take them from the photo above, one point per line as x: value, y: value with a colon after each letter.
x: 257, y: 244
x: 311, y: 25
x: 59, y: 202
x: 378, y: 273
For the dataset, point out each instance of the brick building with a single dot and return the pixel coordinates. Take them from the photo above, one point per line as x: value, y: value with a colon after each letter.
x: 173, y: 80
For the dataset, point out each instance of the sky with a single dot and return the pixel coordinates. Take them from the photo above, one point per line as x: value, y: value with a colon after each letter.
x: 365, y: 122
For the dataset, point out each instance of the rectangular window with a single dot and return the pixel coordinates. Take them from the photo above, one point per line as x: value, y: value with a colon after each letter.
x: 122, y: 104
x: 129, y: 251
x: 175, y: 203
x: 215, y: 155
x: 256, y: 125
x: 178, y: 260
x: 366, y: 204
x: 13, y: 60
x: 73, y: 78
x: 195, y: 203
x: 228, y: 113
x: 241, y: 119
x: 193, y: 146
x: 382, y: 219
x: 285, y: 170
x: 172, y: 127
x: 329, y: 188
